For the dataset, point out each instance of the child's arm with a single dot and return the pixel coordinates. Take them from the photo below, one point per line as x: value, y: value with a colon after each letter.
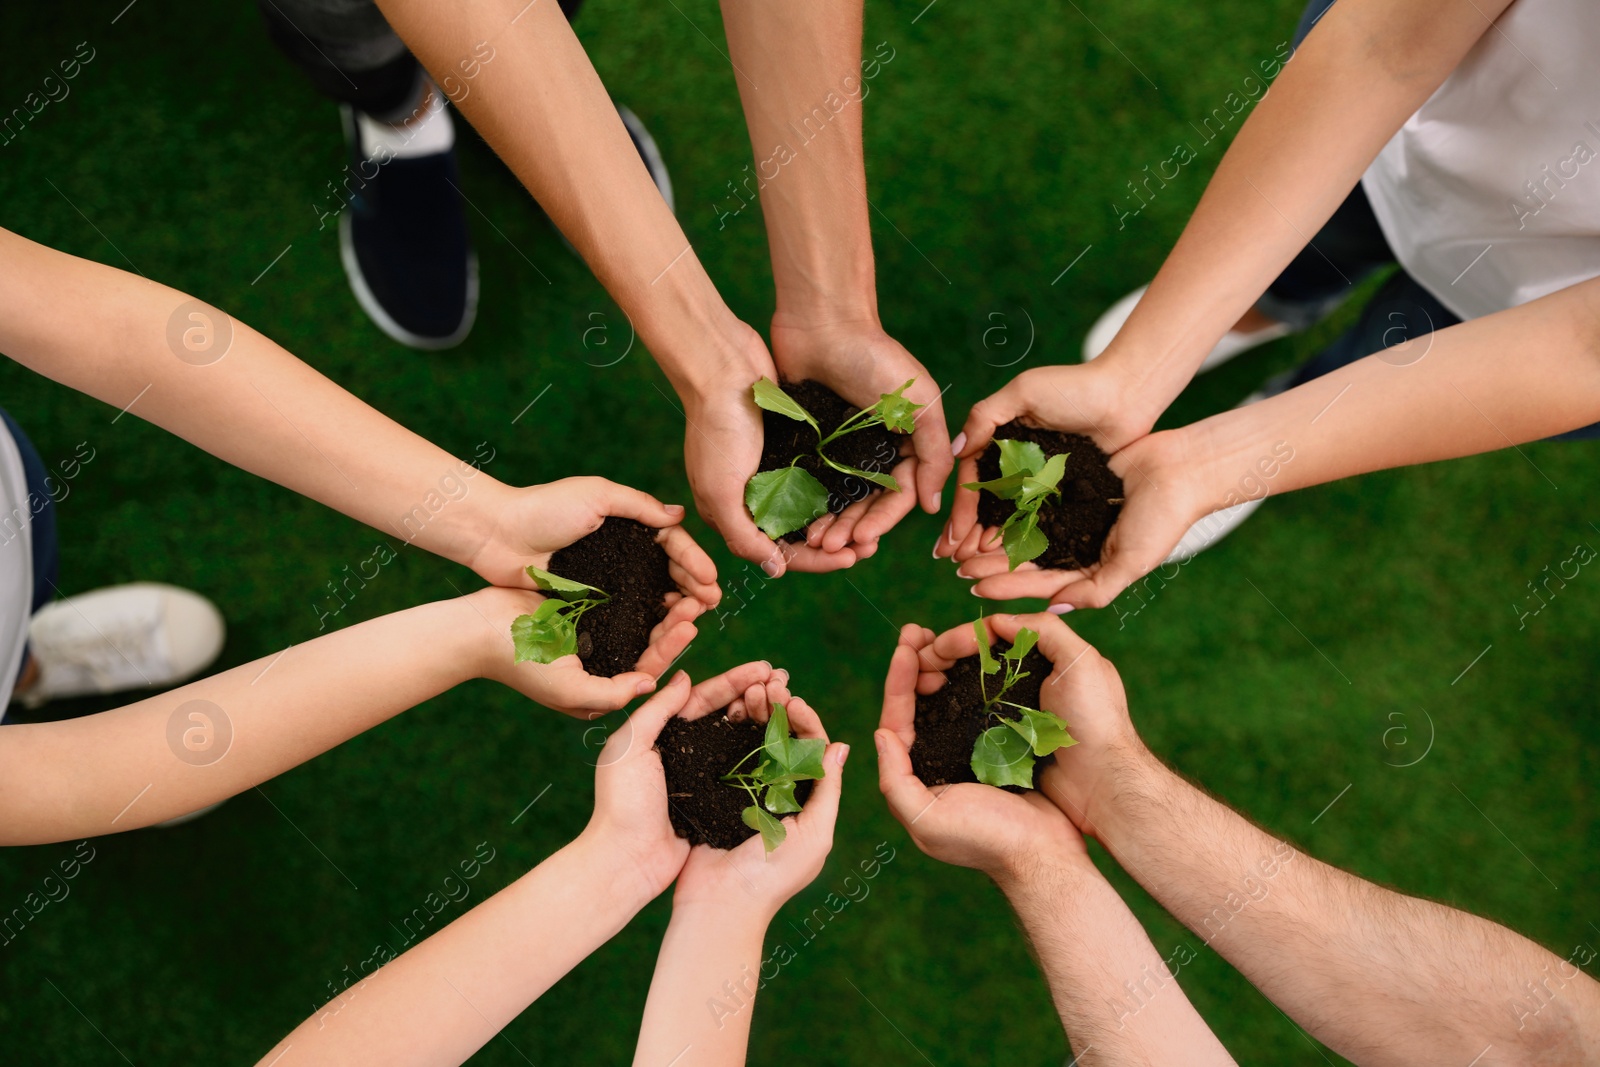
x: 444, y: 999
x: 215, y: 382
x: 710, y: 967
x: 174, y: 753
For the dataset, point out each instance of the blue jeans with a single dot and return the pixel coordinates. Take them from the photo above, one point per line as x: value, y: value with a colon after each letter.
x: 46, y: 549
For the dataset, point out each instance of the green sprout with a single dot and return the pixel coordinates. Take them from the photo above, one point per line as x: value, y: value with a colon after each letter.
x: 789, y: 498
x: 1005, y: 753
x: 552, y: 630
x: 786, y: 761
x: 1027, y: 478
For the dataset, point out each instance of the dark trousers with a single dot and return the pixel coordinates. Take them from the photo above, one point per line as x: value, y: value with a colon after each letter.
x: 349, y: 52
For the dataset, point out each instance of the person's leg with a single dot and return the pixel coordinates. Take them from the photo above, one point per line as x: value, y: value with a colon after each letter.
x: 46, y: 548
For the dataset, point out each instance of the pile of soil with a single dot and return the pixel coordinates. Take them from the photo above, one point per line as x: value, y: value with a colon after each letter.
x: 696, y: 754
x: 949, y: 721
x: 1076, y: 522
x: 623, y: 559
x: 875, y: 449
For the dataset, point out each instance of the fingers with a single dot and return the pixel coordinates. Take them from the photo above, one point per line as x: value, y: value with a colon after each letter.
x: 900, y: 695
x: 715, y: 693
x: 841, y: 532
x: 971, y: 544
x: 1021, y: 584
x: 963, y: 512
x: 988, y: 564
x: 822, y: 807
x: 819, y: 527
x: 1060, y: 645
x: 1115, y: 573
x: 629, y: 503
x: 667, y: 644
x: 958, y: 642
x: 751, y: 704
x: 690, y: 567
x: 987, y: 414
x: 644, y: 725
x: 907, y: 796
x: 931, y: 439
x: 803, y: 720
x: 808, y: 560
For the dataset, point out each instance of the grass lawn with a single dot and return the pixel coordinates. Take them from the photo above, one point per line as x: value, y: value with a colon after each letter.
x: 1001, y: 138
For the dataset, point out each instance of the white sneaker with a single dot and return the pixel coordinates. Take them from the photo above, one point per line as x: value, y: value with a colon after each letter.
x: 1105, y: 328
x: 135, y: 636
x: 1219, y: 524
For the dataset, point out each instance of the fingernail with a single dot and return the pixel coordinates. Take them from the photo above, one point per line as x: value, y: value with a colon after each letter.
x: 958, y: 444
x: 961, y: 572
x: 844, y: 754
x: 1059, y: 609
x: 681, y: 676
x: 674, y: 507
x: 771, y: 568
x: 938, y: 501
x: 644, y: 686
x: 877, y: 739
x: 973, y: 590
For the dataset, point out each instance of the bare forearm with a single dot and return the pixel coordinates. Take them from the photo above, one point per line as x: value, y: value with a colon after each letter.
x: 1294, y: 160
x: 541, y: 106
x: 443, y: 1000
x: 1491, y: 383
x: 1379, y: 977
x: 798, y: 67
x: 167, y: 359
x: 703, y: 994
x: 1118, y: 1000
x: 205, y: 741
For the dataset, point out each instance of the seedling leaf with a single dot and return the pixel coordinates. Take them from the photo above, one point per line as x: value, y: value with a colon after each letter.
x: 898, y: 413
x: 1043, y: 731
x: 1021, y: 538
x: 780, y: 797
x: 770, y: 828
x: 544, y: 636
x: 985, y: 658
x: 1024, y: 643
x: 1002, y: 757
x: 799, y: 758
x: 1008, y: 487
x: 887, y: 481
x: 784, y: 500
x: 1020, y: 457
x: 770, y: 397
x: 565, y: 588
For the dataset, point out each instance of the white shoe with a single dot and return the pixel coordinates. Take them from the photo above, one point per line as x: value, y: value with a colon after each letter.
x: 136, y: 636
x: 1219, y: 524
x: 1105, y: 328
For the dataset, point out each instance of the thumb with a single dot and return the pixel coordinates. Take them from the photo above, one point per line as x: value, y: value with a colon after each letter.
x: 904, y: 791
x: 931, y: 439
x: 822, y: 808
x: 988, y: 413
x: 630, y: 503
x: 644, y: 726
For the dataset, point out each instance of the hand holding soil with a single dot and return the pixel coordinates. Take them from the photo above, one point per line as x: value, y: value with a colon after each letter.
x: 967, y: 824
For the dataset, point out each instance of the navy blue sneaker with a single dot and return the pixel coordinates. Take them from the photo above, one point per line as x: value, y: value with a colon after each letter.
x: 404, y: 240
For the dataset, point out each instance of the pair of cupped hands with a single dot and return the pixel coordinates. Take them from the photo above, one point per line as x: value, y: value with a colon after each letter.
x: 1003, y: 834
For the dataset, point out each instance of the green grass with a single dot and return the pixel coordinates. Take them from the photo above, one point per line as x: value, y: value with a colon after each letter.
x: 999, y: 137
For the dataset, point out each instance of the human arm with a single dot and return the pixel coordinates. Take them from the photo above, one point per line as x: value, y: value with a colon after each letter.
x: 1380, y: 977
x: 1087, y: 941
x: 803, y: 86
x: 1502, y: 380
x: 709, y: 970
x: 539, y: 103
x: 164, y: 756
x: 190, y: 369
x: 444, y: 999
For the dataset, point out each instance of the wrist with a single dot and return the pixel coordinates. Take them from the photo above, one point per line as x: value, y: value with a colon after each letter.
x: 460, y: 632
x: 733, y: 916
x: 1046, y: 870
x: 728, y: 354
x: 621, y: 885
x: 1130, y: 776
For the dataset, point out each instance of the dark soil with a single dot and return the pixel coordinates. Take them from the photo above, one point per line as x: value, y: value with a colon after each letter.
x: 874, y: 449
x: 623, y: 559
x: 1076, y: 522
x: 696, y: 754
x: 949, y: 721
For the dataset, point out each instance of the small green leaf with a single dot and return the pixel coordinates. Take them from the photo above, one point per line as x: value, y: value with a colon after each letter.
x: 989, y: 663
x: 780, y: 797
x: 1024, y: 643
x: 1043, y: 731
x: 545, y: 636
x: 770, y: 397
x: 1006, y: 488
x: 1001, y: 757
x: 771, y: 829
x: 898, y: 413
x: 1020, y: 457
x: 1043, y: 482
x: 885, y: 480
x: 1021, y: 538
x: 796, y: 758
x: 784, y: 500
x: 566, y: 588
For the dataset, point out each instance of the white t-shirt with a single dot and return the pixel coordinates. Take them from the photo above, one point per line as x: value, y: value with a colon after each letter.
x: 16, y: 563
x: 1490, y: 194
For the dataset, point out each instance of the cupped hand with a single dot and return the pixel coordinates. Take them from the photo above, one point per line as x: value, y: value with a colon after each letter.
x: 721, y: 450
x: 630, y: 785
x: 749, y: 875
x: 1162, y: 503
x: 967, y: 824
x: 1090, y: 398
x: 861, y: 362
